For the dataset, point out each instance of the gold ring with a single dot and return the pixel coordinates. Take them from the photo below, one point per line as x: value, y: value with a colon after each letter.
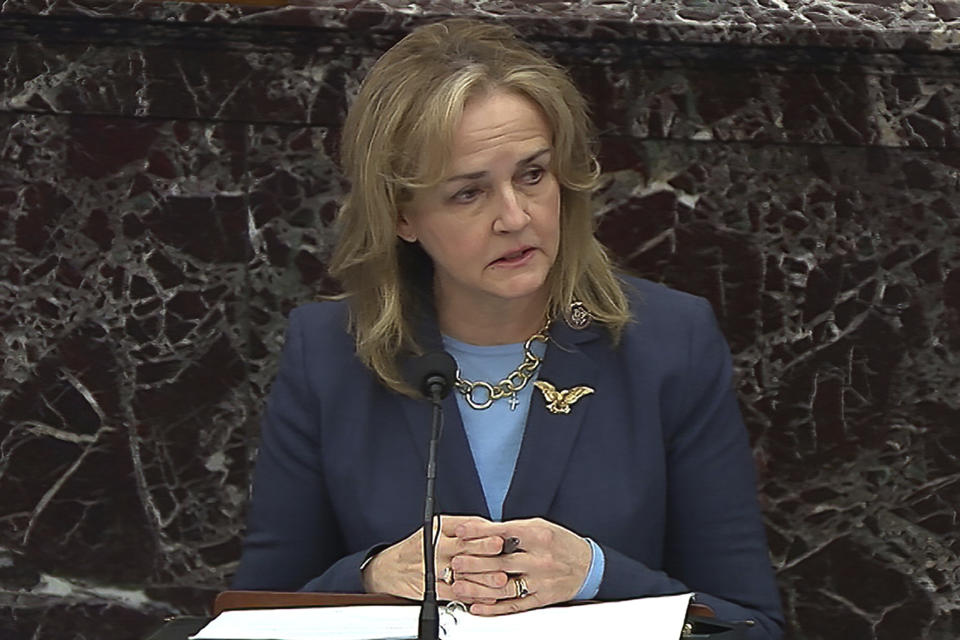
x: 521, y: 586
x: 447, y: 575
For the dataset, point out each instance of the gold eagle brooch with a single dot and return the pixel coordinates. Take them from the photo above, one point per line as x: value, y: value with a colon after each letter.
x: 559, y: 400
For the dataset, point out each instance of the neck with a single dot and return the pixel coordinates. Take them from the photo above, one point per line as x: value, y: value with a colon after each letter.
x: 503, y: 322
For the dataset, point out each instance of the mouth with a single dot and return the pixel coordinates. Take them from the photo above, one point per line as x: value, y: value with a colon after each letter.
x: 515, y: 257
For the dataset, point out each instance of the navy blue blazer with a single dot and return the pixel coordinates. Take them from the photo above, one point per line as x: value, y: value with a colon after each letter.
x: 655, y: 466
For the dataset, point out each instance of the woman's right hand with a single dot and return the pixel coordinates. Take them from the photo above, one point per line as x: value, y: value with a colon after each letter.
x: 398, y: 569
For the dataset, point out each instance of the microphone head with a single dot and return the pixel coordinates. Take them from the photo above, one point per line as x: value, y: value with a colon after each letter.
x: 433, y: 372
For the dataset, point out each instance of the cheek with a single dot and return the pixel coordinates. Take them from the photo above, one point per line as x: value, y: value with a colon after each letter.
x: 551, y: 198
x: 552, y: 218
x: 453, y: 241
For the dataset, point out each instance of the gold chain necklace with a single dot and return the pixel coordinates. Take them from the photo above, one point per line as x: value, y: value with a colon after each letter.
x: 509, y: 386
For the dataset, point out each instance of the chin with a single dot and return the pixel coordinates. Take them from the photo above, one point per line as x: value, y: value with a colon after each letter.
x: 524, y: 287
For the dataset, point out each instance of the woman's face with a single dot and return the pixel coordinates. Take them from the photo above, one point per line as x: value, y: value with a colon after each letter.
x: 492, y: 225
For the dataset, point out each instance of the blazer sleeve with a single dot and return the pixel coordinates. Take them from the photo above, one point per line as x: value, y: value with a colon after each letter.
x: 293, y: 540
x: 715, y: 544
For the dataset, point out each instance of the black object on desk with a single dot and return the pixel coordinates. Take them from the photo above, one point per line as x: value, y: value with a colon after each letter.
x: 702, y: 628
x: 179, y: 628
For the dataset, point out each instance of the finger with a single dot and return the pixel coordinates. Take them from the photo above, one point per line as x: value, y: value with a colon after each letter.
x: 494, y: 580
x: 512, y: 605
x: 449, y: 548
x: 488, y: 546
x: 467, y: 601
x: 519, y: 530
x: 467, y: 590
x: 449, y: 524
x: 478, y: 528
x: 444, y: 591
x: 447, y: 593
x: 512, y: 563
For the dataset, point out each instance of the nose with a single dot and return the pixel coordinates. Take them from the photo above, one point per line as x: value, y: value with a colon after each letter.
x: 511, y: 214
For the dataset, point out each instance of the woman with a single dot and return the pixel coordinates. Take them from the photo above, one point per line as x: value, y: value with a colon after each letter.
x: 611, y: 450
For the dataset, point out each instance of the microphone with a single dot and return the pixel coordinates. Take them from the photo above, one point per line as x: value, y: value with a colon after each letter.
x: 433, y: 375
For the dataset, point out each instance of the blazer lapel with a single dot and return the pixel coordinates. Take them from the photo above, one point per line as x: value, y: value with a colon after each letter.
x: 549, y: 438
x: 458, y: 485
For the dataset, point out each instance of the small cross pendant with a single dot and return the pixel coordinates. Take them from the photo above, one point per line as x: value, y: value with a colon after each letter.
x: 513, y: 402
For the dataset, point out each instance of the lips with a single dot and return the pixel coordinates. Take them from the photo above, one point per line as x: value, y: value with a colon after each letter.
x: 515, y: 256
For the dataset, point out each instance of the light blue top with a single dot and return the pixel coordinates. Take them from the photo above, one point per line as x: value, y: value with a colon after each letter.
x: 495, y: 433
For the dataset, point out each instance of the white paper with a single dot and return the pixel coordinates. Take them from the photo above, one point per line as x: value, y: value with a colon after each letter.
x: 659, y: 618
x: 315, y: 623
x: 359, y: 622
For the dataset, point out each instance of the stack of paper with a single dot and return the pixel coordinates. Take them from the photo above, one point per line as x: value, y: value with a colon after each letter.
x: 659, y: 618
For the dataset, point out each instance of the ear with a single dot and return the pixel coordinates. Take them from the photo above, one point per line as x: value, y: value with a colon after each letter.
x: 405, y: 229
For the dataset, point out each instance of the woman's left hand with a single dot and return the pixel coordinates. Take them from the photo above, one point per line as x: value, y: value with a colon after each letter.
x: 551, y: 563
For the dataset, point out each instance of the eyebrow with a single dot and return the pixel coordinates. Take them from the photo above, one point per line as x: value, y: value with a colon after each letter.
x: 480, y: 174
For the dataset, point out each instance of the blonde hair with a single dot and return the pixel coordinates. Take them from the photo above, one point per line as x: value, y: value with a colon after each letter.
x: 397, y: 137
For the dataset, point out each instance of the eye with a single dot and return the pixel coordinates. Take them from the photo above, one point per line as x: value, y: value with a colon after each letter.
x: 532, y: 175
x: 466, y: 195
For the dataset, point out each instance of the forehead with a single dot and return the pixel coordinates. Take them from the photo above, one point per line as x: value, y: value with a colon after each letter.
x: 497, y: 124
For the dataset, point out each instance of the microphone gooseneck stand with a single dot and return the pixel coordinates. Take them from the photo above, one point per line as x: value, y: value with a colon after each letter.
x: 429, y: 611
x: 433, y: 374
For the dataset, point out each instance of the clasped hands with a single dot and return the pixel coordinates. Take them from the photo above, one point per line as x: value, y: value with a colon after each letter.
x: 550, y: 564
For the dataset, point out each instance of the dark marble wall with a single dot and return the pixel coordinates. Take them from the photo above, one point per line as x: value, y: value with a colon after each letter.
x: 167, y: 185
